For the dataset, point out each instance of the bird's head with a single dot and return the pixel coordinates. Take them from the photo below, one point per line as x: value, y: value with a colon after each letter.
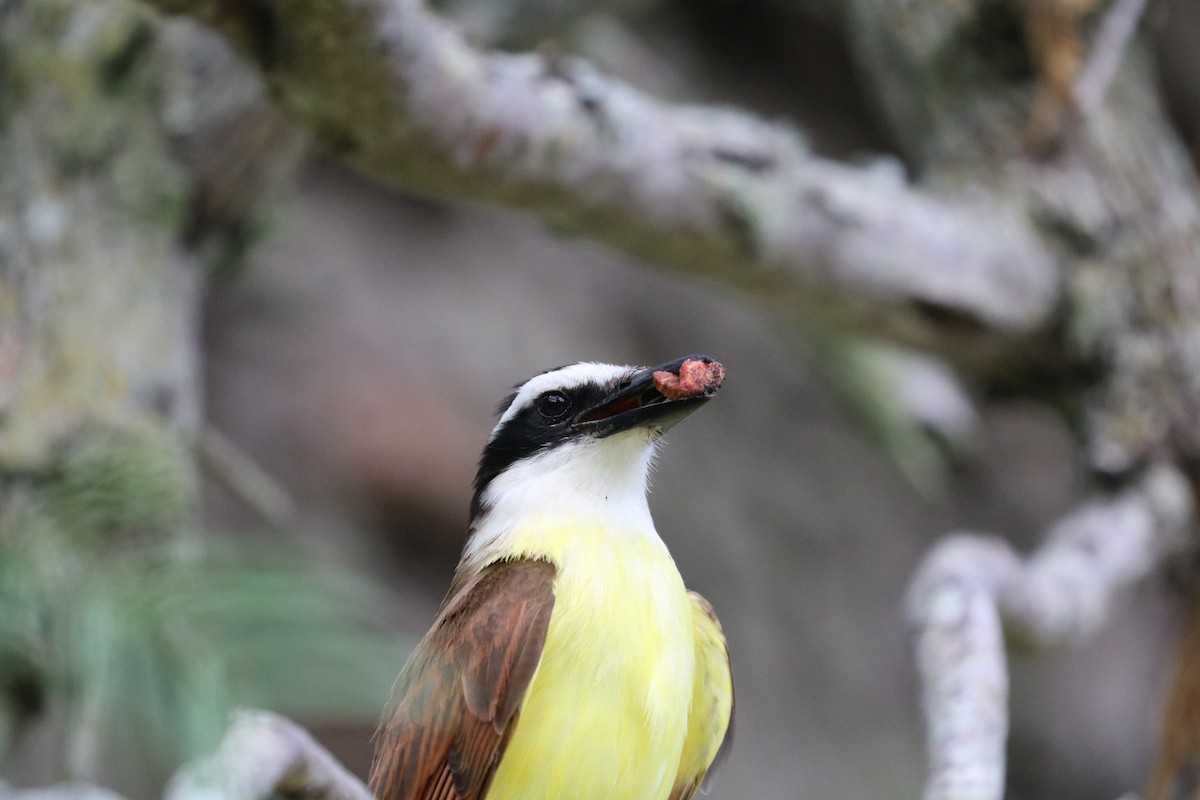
x: 580, y: 439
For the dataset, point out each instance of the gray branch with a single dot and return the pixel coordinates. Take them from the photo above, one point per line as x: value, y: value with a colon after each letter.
x: 714, y: 191
x: 1120, y: 23
x: 264, y: 755
x: 971, y: 589
x: 59, y: 791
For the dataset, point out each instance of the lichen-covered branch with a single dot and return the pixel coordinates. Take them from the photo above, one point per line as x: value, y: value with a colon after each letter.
x: 972, y: 589
x: 1120, y: 23
x: 717, y: 192
x: 60, y: 791
x: 84, y: 246
x: 99, y: 373
x: 1116, y: 198
x: 106, y: 231
x: 264, y: 755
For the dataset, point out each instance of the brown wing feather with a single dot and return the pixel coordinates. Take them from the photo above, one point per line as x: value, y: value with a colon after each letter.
x: 457, y: 698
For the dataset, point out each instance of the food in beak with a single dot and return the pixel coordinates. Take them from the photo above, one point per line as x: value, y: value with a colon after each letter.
x: 696, y: 378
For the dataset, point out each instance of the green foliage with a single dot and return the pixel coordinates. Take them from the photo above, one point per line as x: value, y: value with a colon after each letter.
x: 158, y: 648
x: 118, y: 484
x: 116, y: 619
x: 119, y: 626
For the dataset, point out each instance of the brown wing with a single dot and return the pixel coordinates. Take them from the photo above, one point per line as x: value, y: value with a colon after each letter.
x: 457, y: 698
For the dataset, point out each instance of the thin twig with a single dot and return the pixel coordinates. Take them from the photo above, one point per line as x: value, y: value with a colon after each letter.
x: 240, y: 474
x: 1116, y: 31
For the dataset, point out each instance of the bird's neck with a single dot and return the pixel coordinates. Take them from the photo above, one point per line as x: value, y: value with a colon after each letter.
x: 531, y: 509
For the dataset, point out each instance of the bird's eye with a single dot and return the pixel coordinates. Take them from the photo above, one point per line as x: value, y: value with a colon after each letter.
x: 553, y: 405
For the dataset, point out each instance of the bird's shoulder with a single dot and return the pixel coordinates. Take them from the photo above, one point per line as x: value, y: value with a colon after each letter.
x: 456, y: 701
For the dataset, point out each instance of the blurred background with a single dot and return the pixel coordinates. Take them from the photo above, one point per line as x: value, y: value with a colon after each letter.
x: 350, y: 347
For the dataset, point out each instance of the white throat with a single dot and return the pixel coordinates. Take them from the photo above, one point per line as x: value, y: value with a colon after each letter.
x: 596, y: 482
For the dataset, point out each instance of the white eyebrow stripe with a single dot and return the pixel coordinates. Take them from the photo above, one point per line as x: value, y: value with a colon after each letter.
x: 565, y: 378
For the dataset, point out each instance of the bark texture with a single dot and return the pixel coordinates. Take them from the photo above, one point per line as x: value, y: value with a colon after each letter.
x: 712, y: 191
x: 264, y: 755
x: 107, y: 230
x: 98, y: 367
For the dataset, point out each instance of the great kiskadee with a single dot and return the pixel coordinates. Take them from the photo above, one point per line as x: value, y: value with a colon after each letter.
x: 568, y: 661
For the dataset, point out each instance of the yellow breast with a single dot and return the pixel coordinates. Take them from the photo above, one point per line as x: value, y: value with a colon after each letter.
x: 606, y: 713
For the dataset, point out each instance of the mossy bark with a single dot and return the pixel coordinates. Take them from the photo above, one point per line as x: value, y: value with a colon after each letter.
x: 100, y: 299
x: 99, y: 380
x: 714, y: 192
x: 1113, y: 195
x: 107, y: 226
x: 1062, y: 269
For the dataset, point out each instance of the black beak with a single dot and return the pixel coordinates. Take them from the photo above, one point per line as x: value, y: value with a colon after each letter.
x: 657, y: 397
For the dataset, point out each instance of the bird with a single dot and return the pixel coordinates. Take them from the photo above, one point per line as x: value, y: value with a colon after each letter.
x: 568, y: 661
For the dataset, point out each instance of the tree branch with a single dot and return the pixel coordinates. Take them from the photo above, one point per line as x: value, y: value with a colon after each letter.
x: 1116, y: 32
x: 714, y: 191
x: 264, y: 755
x: 60, y: 791
x: 971, y: 589
x: 244, y: 478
